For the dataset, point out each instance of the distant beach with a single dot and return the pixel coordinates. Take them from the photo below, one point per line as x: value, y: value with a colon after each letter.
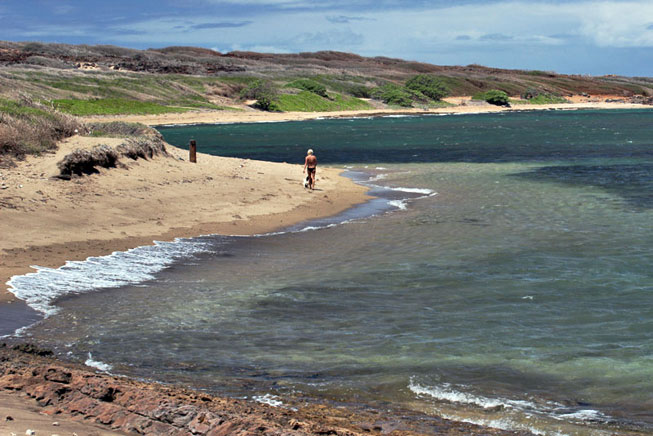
x: 460, y: 105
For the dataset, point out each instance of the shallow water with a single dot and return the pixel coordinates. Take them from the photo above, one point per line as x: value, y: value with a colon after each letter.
x: 520, y: 296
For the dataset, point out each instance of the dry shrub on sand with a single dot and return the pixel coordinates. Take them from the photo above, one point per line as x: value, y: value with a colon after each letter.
x: 81, y: 162
x: 120, y: 129
x: 144, y: 148
x: 85, y: 161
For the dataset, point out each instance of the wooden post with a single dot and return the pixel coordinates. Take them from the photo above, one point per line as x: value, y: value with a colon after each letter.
x: 192, y: 151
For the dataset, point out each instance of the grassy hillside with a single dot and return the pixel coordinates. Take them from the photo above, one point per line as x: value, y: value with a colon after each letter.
x: 107, y: 78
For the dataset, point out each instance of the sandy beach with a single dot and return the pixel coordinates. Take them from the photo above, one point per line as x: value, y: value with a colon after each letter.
x: 47, y: 221
x: 463, y: 105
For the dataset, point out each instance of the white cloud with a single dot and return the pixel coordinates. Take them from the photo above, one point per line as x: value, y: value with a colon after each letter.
x: 612, y: 24
x: 410, y: 34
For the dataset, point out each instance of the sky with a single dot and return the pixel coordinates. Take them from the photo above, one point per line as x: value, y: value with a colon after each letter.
x: 565, y: 36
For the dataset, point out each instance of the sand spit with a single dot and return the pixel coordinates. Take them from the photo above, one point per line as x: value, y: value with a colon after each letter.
x: 47, y: 221
x: 463, y: 105
x: 39, y: 390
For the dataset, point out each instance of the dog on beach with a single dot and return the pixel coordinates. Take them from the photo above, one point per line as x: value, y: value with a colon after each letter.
x: 306, y: 181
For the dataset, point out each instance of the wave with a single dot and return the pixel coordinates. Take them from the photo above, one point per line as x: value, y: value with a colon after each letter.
x: 399, y: 204
x: 269, y: 399
x: 377, y: 177
x: 104, y: 367
x: 424, y: 191
x: 41, y: 288
x: 447, y: 393
x: 509, y: 412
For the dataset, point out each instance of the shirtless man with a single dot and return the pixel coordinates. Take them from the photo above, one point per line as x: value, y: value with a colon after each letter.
x: 310, y: 164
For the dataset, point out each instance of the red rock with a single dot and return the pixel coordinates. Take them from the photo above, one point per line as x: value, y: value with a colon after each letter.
x: 224, y: 429
x: 58, y: 375
x: 200, y: 424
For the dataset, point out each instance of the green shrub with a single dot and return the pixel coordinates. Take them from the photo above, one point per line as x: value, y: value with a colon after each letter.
x: 530, y: 93
x: 265, y: 94
x: 359, y: 91
x: 427, y: 85
x: 533, y: 96
x: 393, y: 94
x: 310, y: 86
x: 493, y: 96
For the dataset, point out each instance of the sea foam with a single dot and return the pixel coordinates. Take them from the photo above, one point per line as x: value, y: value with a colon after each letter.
x: 550, y: 409
x: 41, y: 288
x: 104, y: 367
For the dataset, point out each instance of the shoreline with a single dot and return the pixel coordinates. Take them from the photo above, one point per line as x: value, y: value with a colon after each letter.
x: 258, y: 222
x: 251, y: 116
x: 37, y: 390
x: 163, y: 198
x: 54, y: 253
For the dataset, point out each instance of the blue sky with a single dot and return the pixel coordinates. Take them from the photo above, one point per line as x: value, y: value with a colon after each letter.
x: 580, y: 37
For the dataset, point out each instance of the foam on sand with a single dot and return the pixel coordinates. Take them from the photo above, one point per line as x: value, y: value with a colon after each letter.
x: 41, y: 288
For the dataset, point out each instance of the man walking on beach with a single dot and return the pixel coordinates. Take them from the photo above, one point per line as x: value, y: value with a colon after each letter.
x: 310, y: 164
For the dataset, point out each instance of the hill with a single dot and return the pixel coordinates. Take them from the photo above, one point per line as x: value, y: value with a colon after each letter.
x: 194, y: 77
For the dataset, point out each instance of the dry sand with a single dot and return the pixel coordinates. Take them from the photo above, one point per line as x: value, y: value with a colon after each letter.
x: 47, y: 221
x: 19, y: 413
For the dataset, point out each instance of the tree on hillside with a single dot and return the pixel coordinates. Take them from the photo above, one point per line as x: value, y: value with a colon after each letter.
x: 496, y: 97
x: 310, y: 86
x: 393, y: 94
x: 264, y: 92
x: 493, y: 96
x: 428, y: 85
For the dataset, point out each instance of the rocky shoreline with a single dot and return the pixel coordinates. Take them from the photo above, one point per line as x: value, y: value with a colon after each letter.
x: 70, y: 390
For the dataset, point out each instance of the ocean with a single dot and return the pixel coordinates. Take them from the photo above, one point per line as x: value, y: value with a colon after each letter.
x: 502, y: 276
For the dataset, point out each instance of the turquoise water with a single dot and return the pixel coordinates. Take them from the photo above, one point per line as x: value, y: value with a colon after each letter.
x: 519, y: 296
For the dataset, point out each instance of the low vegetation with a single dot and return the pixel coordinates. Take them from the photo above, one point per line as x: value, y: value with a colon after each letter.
x: 113, y: 106
x: 310, y: 86
x: 119, y: 129
x: 80, y: 161
x: 28, y: 127
x: 306, y: 101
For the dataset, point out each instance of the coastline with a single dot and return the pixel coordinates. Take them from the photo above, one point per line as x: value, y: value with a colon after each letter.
x: 32, y: 191
x: 164, y: 198
x: 37, y: 390
x: 237, y: 217
x: 462, y: 106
